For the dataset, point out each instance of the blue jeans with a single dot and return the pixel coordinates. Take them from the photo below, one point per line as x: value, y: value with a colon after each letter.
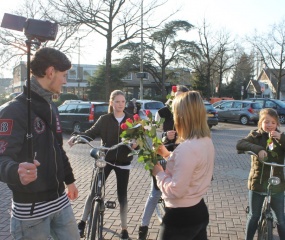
x: 255, y: 206
x: 150, y: 205
x: 60, y: 225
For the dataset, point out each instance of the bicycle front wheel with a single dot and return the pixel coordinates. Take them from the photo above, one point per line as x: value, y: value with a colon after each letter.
x: 265, y: 229
x: 97, y: 223
x: 160, y: 209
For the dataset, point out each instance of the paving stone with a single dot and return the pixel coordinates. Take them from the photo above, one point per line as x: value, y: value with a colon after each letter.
x: 226, y: 198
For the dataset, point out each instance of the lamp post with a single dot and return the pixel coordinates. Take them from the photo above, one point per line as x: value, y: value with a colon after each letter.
x: 79, y: 75
x: 141, y: 62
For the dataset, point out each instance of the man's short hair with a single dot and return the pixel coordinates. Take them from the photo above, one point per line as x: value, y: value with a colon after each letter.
x: 47, y: 57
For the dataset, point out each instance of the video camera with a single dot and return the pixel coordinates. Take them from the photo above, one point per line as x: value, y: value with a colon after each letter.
x: 33, y: 29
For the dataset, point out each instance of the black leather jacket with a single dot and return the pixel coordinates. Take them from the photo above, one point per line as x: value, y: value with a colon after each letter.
x: 109, y: 130
x: 47, y: 141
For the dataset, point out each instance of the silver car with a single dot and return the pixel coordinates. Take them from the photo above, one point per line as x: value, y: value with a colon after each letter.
x: 240, y: 111
x: 151, y: 105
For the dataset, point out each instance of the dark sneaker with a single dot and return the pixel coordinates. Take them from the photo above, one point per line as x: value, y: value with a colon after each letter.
x: 124, y: 235
x: 81, y: 228
x: 143, y: 232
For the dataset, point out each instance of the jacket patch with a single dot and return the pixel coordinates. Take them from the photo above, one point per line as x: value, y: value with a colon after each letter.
x: 6, y: 126
x: 3, y: 146
x: 39, y: 125
x: 58, y: 126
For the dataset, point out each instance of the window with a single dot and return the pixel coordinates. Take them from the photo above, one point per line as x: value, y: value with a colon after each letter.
x: 86, y: 73
x: 72, y: 74
x: 83, y: 108
x: 128, y: 77
x: 154, y: 105
x: 226, y: 105
x: 61, y: 109
x: 237, y: 105
x: 270, y: 104
x: 101, y: 108
x: 71, y: 108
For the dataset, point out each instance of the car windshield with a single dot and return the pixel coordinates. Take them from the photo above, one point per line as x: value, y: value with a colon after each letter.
x: 154, y: 105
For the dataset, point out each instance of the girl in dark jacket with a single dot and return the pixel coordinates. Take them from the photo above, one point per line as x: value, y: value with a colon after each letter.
x: 108, y: 129
x: 269, y: 144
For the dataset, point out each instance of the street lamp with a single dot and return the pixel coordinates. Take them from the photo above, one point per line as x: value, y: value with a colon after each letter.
x: 79, y: 70
x: 141, y: 74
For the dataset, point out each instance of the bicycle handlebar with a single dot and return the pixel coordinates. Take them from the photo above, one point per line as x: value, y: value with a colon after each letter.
x: 273, y: 164
x: 83, y: 139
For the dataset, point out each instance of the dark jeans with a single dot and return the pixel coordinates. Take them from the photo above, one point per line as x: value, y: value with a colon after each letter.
x: 185, y: 223
x: 255, y: 206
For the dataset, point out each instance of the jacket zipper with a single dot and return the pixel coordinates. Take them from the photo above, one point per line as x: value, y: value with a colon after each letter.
x: 118, y: 142
x: 56, y: 169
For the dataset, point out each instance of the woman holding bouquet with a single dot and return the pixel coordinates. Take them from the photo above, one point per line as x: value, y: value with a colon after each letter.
x: 168, y: 138
x: 108, y: 129
x: 188, y: 173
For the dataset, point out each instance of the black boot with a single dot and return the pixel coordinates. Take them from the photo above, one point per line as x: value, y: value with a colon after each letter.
x: 81, y: 228
x: 143, y: 232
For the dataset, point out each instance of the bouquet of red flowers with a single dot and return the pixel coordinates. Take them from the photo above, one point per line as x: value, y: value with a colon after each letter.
x: 143, y: 131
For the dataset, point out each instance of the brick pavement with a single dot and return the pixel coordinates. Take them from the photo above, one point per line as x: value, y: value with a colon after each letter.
x: 226, y: 198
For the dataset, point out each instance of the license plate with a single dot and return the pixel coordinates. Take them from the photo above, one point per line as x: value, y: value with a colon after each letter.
x: 210, y: 115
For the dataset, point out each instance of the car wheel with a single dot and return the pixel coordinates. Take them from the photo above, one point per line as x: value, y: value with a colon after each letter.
x: 76, y: 127
x: 210, y: 126
x: 244, y: 120
x: 282, y: 119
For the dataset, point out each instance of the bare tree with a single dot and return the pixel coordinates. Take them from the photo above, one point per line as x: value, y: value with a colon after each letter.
x: 224, y: 61
x: 204, y: 68
x: 271, y: 47
x: 117, y: 20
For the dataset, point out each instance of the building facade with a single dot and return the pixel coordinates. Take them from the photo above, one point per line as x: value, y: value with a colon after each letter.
x: 77, y: 81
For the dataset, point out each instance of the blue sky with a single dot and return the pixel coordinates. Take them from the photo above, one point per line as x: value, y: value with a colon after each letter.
x: 238, y: 17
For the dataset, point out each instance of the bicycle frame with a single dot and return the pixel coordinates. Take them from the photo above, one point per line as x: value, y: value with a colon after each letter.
x: 95, y: 223
x: 95, y: 228
x: 265, y: 224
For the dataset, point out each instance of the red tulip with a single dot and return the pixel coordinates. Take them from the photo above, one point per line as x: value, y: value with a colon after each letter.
x: 136, y: 117
x: 174, y: 89
x: 129, y: 120
x: 147, y: 112
x: 124, y: 126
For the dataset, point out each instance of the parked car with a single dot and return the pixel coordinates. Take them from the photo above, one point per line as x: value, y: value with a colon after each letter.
x: 212, y: 115
x: 78, y: 116
x: 238, y: 111
x: 218, y: 103
x: 151, y: 105
x: 276, y: 104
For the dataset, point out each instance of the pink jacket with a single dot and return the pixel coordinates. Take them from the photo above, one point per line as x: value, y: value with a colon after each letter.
x: 188, y: 173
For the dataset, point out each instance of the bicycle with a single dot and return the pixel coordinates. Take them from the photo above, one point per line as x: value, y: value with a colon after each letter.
x: 267, y: 219
x: 95, y: 223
